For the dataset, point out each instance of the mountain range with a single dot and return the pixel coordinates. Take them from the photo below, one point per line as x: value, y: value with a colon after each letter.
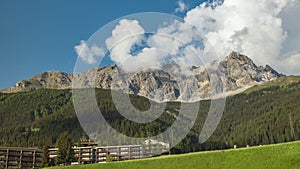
x: 231, y: 75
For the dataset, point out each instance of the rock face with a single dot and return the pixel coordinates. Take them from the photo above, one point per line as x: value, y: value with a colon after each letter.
x: 240, y: 71
x: 172, y: 82
x: 49, y: 80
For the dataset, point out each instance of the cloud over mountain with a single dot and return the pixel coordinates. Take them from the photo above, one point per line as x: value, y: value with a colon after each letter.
x: 260, y: 29
x: 125, y: 36
x: 250, y: 27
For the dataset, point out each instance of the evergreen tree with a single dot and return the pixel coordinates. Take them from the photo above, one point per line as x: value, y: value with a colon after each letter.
x: 65, y: 153
x: 45, y: 157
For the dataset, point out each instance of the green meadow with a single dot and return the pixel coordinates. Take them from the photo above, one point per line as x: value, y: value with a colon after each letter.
x: 279, y: 156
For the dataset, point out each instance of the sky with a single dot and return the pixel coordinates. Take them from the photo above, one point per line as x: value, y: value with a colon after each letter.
x: 38, y: 36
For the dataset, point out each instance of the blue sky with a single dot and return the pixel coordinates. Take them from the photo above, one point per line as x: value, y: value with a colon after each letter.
x: 38, y: 36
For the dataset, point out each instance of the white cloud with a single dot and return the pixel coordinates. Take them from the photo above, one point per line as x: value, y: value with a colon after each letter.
x: 182, y: 7
x: 88, y: 54
x: 147, y: 58
x: 171, y: 37
x: 290, y: 55
x: 181, y: 39
x: 267, y: 31
x: 251, y: 27
x: 290, y: 17
x: 125, y: 35
x: 289, y: 64
x: 177, y: 40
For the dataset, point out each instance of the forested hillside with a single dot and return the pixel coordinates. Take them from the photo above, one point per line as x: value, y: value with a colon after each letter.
x: 264, y: 114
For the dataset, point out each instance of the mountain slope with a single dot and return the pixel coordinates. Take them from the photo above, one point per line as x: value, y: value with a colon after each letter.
x: 173, y: 82
x: 46, y: 80
x: 262, y: 115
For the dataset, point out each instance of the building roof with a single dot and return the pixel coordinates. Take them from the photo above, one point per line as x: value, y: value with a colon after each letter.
x: 21, y: 148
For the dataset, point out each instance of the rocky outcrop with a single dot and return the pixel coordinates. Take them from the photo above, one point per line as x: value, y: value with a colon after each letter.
x: 232, y: 74
x: 49, y: 80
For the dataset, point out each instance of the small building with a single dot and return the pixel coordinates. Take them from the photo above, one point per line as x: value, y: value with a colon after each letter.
x: 155, y: 147
x: 90, y: 155
x: 126, y: 152
x: 18, y: 157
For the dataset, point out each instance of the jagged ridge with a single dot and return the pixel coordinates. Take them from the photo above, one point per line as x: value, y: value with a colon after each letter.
x: 232, y: 74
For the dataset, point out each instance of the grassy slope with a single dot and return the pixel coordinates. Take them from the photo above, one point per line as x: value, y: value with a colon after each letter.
x: 282, y: 82
x: 281, y: 156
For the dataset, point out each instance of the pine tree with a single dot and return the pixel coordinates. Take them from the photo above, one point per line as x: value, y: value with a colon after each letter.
x: 45, y: 158
x: 65, y: 153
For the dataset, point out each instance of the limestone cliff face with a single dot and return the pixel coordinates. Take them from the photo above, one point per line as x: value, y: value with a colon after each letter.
x: 235, y: 72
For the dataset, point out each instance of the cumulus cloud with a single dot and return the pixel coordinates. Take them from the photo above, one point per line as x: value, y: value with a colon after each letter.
x: 289, y: 64
x: 172, y: 37
x: 127, y: 34
x: 251, y: 27
x: 182, y: 7
x: 182, y: 40
x: 88, y: 54
x: 290, y: 17
x: 263, y: 30
x: 147, y: 58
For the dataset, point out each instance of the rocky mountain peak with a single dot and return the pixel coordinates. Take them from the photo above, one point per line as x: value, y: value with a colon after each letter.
x: 235, y: 72
x: 239, y: 60
x: 49, y: 80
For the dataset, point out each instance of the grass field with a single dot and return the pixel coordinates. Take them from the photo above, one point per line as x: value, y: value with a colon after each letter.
x: 280, y: 156
x: 281, y: 82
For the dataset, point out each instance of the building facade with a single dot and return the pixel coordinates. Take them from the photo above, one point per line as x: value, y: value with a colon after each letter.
x: 91, y: 154
x: 17, y: 157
